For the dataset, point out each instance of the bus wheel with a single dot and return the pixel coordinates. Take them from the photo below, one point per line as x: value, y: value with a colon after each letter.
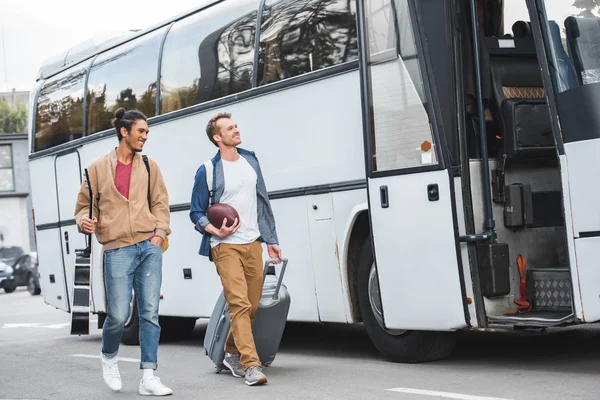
x: 395, y: 345
x: 131, y: 331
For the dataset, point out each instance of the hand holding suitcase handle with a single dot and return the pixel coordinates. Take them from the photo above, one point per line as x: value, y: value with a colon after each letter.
x: 272, y: 261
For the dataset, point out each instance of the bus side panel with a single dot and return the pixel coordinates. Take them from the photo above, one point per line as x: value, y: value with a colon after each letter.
x: 183, y: 297
x: 43, y: 191
x: 346, y: 207
x: 294, y: 238
x: 45, y: 206
x: 325, y: 258
x: 314, y: 138
x: 52, y: 275
x: 587, y: 250
x: 584, y: 170
x: 197, y: 296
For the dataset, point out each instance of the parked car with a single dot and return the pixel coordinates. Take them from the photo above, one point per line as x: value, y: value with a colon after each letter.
x: 23, y: 272
x: 8, y: 255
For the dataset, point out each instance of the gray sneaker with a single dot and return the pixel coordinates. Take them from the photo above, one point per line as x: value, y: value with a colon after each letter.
x: 254, y: 376
x: 232, y: 361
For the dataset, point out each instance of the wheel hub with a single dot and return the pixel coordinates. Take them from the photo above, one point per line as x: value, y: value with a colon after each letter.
x: 375, y: 301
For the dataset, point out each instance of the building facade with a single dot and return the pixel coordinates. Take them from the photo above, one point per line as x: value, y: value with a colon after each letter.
x: 16, y: 220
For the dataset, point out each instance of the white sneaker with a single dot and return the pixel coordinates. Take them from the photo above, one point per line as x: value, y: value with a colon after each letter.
x: 153, y: 387
x: 110, y: 373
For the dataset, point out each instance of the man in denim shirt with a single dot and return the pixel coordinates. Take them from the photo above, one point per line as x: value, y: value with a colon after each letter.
x: 236, y: 250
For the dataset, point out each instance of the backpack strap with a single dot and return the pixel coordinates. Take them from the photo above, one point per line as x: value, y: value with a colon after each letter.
x: 209, y: 178
x: 145, y: 158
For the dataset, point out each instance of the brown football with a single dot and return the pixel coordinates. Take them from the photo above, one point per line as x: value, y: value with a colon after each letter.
x: 218, y: 211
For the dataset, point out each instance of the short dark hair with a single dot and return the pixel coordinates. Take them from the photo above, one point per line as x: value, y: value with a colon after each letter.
x: 124, y: 119
x: 211, y: 127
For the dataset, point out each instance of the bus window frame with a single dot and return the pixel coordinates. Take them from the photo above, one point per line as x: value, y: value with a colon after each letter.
x: 159, y: 69
x: 255, y: 91
x: 432, y: 104
x: 544, y: 51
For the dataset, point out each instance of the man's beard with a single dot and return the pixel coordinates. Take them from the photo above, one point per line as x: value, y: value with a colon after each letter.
x: 133, y: 149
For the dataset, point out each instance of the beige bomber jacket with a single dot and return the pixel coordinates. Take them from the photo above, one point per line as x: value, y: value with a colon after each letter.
x: 123, y: 222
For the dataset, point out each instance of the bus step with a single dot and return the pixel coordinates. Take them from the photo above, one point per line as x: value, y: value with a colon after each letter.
x: 534, y: 319
x: 549, y: 289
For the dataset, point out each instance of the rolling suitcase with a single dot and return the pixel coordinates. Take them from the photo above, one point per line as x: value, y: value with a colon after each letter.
x: 268, y: 326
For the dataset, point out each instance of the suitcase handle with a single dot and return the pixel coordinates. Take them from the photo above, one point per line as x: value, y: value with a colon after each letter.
x: 280, y: 280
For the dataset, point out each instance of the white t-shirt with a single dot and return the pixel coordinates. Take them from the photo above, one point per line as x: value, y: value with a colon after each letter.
x: 240, y: 193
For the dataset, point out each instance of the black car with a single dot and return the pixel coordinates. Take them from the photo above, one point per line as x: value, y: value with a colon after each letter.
x: 23, y: 272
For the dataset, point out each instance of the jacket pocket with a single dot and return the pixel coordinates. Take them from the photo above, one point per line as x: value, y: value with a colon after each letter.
x: 145, y: 221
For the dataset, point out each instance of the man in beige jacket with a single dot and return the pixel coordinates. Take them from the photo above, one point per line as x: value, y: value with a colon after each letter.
x: 131, y: 210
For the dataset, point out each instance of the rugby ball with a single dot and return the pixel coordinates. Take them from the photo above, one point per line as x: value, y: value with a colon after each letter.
x: 218, y: 211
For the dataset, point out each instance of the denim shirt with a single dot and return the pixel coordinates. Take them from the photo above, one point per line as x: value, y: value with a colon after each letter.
x: 200, y: 201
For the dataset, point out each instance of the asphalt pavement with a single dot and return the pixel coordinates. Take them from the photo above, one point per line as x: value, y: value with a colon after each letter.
x: 41, y: 360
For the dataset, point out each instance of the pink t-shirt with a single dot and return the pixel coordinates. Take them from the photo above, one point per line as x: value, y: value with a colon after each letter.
x: 122, y: 178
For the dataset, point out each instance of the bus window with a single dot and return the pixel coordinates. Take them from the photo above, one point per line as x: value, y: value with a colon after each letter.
x: 123, y: 77
x: 514, y: 10
x: 300, y: 36
x: 59, y: 113
x: 401, y: 120
x: 573, y: 36
x: 218, y: 54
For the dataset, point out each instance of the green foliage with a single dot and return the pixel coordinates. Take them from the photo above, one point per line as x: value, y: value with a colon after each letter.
x: 12, y: 119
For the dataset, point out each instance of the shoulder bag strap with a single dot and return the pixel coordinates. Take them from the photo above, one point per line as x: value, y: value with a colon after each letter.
x: 209, y: 178
x: 145, y: 158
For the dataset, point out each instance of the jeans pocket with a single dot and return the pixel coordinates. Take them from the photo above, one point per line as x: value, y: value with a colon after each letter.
x: 215, y: 252
x: 154, y: 245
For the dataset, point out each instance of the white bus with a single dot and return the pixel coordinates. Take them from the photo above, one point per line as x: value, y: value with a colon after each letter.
x: 415, y: 157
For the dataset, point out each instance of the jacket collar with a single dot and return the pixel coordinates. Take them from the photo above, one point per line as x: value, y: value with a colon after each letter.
x: 113, y: 156
x: 242, y: 152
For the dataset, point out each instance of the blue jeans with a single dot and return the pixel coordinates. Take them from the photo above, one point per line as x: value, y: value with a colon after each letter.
x: 138, y: 266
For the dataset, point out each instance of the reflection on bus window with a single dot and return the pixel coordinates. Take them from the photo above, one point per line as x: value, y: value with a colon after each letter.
x: 124, y: 77
x: 402, y: 136
x: 59, y: 115
x: 302, y: 36
x: 205, y: 57
x: 381, y: 30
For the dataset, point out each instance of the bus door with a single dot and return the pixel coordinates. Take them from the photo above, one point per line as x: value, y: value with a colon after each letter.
x: 567, y: 50
x: 414, y: 241
x: 69, y: 176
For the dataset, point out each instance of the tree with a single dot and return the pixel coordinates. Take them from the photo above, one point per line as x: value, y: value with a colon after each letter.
x: 12, y: 119
x: 589, y: 8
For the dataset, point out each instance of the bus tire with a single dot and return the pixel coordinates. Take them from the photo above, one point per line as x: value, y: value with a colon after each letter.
x: 395, y: 345
x: 131, y: 330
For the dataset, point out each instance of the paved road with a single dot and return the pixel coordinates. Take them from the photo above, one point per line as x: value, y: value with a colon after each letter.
x: 40, y: 360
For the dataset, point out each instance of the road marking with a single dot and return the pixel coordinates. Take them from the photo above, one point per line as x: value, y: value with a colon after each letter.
x: 40, y: 325
x: 447, y: 395
x: 132, y: 360
x: 57, y: 326
x: 28, y: 325
x: 37, y: 325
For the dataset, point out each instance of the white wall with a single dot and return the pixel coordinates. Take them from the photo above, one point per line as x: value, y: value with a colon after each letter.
x: 14, y: 224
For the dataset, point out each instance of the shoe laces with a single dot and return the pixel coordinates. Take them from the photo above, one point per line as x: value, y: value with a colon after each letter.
x: 254, y: 370
x: 112, y: 370
x: 153, y: 379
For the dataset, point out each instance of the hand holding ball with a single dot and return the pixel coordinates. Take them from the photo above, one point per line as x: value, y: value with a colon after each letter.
x: 218, y: 212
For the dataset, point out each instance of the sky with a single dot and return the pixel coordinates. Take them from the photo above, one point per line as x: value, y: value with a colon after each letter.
x: 34, y: 30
